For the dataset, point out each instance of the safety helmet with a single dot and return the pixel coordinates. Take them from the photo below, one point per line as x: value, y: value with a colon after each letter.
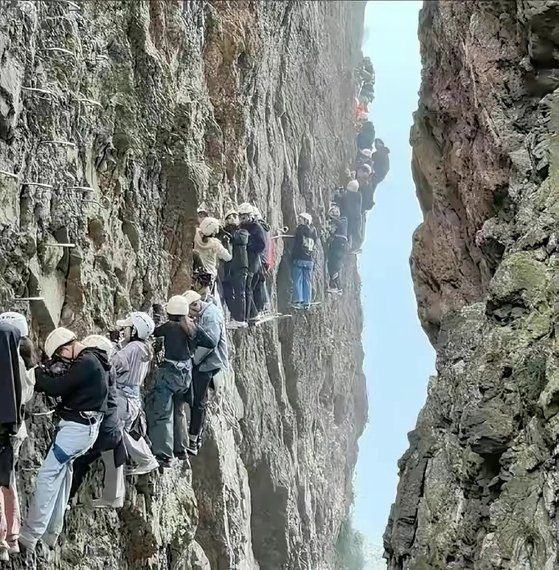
x: 177, y: 305
x: 58, y: 338
x: 367, y: 152
x: 141, y: 322
x: 191, y: 297
x: 209, y: 226
x: 366, y: 167
x: 353, y: 186
x: 246, y: 208
x: 232, y: 212
x: 99, y: 341
x: 17, y: 320
x: 202, y: 209
x: 334, y: 211
x: 306, y: 217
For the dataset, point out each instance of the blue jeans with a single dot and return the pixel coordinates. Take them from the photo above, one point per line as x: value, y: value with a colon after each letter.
x: 301, y: 273
x: 172, y: 384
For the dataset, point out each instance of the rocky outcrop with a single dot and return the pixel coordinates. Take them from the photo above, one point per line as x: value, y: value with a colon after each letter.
x: 478, y: 484
x: 116, y: 120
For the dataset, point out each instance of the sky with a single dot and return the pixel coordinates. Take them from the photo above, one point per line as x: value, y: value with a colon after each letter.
x: 398, y: 357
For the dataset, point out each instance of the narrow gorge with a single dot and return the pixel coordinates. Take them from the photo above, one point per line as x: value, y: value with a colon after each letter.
x: 479, y: 483
x: 118, y: 118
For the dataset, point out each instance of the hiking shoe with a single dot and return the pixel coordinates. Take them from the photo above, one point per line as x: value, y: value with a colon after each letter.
x: 192, y: 447
x: 165, y: 462
x: 143, y: 469
x: 332, y: 290
x: 104, y: 504
x: 13, y: 547
x: 26, y: 543
x: 181, y: 455
x: 4, y: 556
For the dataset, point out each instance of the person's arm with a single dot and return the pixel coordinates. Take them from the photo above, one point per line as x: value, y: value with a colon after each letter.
x: 188, y: 326
x: 221, y: 252
x: 258, y: 242
x: 64, y: 384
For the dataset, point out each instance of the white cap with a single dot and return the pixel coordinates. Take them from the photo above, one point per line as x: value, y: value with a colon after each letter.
x: 17, y: 320
x: 209, y: 226
x: 231, y: 212
x: 100, y: 342
x: 353, y: 186
x: 177, y: 305
x: 142, y: 322
x: 306, y: 216
x: 202, y: 208
x: 366, y: 167
x: 367, y: 152
x: 57, y: 338
x: 246, y: 208
x: 191, y: 296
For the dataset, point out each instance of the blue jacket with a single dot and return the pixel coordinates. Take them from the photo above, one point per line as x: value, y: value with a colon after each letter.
x: 210, y: 342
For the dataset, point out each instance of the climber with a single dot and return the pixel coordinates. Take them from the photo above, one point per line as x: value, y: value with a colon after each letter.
x: 255, y: 248
x: 172, y: 381
x: 337, y: 248
x: 208, y: 248
x: 109, y: 445
x: 201, y: 213
x: 302, y: 262
x: 381, y: 161
x: 366, y: 136
x: 235, y: 271
x: 209, y: 358
x: 132, y: 364
x: 366, y: 187
x: 83, y: 391
x: 261, y: 296
x: 350, y: 202
x: 203, y: 283
x: 17, y: 389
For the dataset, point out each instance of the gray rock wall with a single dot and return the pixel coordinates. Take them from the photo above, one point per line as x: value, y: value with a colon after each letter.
x: 478, y: 484
x: 162, y: 105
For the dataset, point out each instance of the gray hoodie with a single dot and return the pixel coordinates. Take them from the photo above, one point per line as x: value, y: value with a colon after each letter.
x: 131, y: 364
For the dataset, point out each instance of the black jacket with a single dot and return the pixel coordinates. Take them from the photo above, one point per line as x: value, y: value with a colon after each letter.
x: 256, y: 245
x: 10, y: 378
x: 381, y: 164
x: 300, y: 251
x: 84, y: 387
x: 367, y: 196
x: 365, y: 140
x: 350, y: 206
x: 110, y: 432
x: 239, y: 241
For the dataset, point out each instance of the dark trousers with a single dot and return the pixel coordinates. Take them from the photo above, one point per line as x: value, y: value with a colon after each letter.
x: 336, y: 255
x: 82, y: 464
x: 235, y: 290
x: 260, y: 294
x: 251, y: 311
x: 355, y: 232
x: 200, y: 384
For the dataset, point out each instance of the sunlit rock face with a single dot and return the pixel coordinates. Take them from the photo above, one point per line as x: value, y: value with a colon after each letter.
x: 478, y: 483
x: 116, y: 120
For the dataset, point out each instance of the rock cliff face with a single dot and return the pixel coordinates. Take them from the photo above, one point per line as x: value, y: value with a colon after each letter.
x: 117, y: 118
x: 478, y: 485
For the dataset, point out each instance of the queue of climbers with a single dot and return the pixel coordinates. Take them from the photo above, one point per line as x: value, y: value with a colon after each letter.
x: 136, y: 398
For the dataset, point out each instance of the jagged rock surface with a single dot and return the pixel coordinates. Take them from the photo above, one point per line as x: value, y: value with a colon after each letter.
x: 478, y: 484
x: 165, y: 105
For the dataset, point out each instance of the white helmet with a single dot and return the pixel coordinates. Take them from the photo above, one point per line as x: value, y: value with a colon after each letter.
x: 334, y: 211
x: 306, y: 217
x: 191, y: 297
x: 17, y: 320
x: 142, y: 322
x: 231, y: 212
x: 57, y: 338
x: 202, y: 209
x: 100, y: 342
x: 353, y: 186
x: 209, y: 226
x: 177, y: 305
x: 246, y: 208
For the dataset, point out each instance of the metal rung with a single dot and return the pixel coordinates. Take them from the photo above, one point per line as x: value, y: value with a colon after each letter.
x: 39, y: 184
x: 92, y: 202
x: 68, y: 245
x: 10, y: 174
x: 64, y: 143
x: 62, y: 50
x: 37, y: 90
x: 282, y: 236
x: 28, y: 299
x: 102, y: 56
x: 80, y: 188
x: 86, y: 101
x: 49, y: 413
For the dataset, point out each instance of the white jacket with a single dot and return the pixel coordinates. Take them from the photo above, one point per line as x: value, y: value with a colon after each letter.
x: 210, y: 251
